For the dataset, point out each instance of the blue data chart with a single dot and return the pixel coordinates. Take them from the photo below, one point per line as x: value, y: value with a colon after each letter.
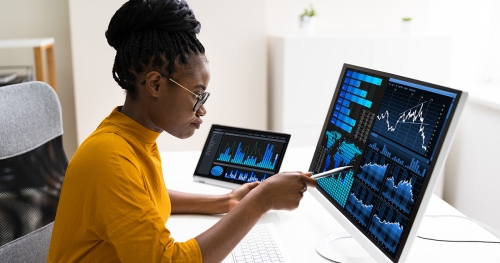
x: 216, y: 170
x: 386, y: 226
x: 360, y: 204
x: 235, y: 150
x: 364, y: 77
x: 355, y: 92
x: 339, y: 151
x: 402, y: 188
x: 372, y: 170
x: 338, y: 187
x: 409, y: 118
x: 398, y: 154
x: 244, y: 175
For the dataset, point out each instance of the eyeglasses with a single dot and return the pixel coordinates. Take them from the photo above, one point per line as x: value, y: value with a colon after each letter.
x: 200, y: 99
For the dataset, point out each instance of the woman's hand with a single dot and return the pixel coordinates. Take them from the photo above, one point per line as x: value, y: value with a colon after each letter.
x: 237, y: 194
x: 284, y: 191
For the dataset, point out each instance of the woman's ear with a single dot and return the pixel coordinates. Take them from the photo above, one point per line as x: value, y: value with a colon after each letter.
x: 153, y: 82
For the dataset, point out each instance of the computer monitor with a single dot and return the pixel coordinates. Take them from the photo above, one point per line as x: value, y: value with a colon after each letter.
x: 396, y: 133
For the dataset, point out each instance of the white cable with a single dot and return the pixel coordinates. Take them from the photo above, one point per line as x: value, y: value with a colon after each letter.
x: 486, y: 227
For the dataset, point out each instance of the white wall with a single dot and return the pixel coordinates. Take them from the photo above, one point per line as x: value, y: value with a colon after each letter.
x: 473, y: 24
x: 470, y: 24
x: 233, y: 33
x: 41, y: 19
x: 494, y: 62
x: 338, y: 16
x: 472, y: 174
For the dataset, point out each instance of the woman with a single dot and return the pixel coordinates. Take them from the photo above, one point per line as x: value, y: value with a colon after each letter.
x: 114, y: 203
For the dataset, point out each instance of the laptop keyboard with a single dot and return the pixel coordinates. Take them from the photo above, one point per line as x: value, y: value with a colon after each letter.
x: 261, y: 244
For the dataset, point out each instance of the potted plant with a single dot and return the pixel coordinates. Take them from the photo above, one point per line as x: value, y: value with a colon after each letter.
x: 308, y: 21
x: 405, y: 25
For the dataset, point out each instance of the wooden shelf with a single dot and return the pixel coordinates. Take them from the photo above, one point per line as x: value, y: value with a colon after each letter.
x: 39, y: 46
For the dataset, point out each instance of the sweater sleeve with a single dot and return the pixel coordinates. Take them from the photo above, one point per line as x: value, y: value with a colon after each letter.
x: 132, y: 224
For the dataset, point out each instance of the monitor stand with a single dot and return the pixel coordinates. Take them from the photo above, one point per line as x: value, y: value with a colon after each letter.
x: 341, y: 247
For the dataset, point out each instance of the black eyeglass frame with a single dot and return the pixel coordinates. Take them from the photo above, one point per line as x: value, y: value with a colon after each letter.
x: 200, y: 99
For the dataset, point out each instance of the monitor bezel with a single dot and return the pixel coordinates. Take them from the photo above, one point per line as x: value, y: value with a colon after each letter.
x: 229, y: 183
x: 442, y: 148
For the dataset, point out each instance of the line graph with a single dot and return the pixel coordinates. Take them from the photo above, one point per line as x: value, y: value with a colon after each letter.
x: 373, y: 169
x: 414, y: 115
x: 360, y: 204
x: 409, y: 118
x: 387, y: 225
x: 402, y: 188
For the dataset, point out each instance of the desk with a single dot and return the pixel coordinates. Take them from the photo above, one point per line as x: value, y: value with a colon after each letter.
x: 314, y: 222
x: 39, y: 45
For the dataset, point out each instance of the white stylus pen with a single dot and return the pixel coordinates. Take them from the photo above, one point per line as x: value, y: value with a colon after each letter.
x: 331, y: 172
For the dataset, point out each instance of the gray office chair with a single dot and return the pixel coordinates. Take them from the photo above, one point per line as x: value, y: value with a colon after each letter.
x: 32, y: 168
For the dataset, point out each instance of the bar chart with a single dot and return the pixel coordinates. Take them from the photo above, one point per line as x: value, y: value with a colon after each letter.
x: 256, y: 154
x: 354, y: 93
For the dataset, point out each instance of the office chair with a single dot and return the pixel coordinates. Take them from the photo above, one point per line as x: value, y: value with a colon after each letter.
x: 32, y: 168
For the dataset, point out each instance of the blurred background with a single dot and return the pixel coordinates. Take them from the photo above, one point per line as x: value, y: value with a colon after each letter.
x: 264, y: 67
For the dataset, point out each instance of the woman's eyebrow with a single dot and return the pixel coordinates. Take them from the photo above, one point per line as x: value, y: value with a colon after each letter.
x: 200, y: 86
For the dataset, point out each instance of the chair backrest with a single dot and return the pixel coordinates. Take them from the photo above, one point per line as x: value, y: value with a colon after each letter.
x: 32, y: 247
x: 32, y: 160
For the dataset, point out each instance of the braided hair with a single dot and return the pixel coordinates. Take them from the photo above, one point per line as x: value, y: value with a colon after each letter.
x: 151, y: 34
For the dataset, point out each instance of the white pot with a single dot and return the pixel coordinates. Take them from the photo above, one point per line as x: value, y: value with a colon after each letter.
x: 405, y: 27
x: 308, y: 25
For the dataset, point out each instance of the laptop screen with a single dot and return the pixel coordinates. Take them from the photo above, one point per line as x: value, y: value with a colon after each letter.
x: 237, y: 155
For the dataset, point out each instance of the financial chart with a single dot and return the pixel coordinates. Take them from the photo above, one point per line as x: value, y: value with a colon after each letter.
x: 238, y: 155
x: 387, y: 225
x: 244, y: 175
x: 251, y: 153
x: 388, y: 129
x: 411, y: 117
x: 401, y: 188
x: 360, y: 204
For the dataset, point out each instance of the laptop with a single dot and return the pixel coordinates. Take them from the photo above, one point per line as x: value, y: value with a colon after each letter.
x: 233, y: 156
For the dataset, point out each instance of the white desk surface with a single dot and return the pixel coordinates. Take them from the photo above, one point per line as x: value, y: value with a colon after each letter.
x: 302, y: 228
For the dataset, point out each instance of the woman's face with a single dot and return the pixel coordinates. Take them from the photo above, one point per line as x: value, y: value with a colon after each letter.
x: 173, y: 111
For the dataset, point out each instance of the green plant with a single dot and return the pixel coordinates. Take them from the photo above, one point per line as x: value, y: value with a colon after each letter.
x: 406, y: 19
x: 308, y: 12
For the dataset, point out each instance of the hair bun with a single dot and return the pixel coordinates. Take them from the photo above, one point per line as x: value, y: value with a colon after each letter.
x: 142, y: 15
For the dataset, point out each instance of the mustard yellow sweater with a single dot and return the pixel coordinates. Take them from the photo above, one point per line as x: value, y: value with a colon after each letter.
x: 114, y: 203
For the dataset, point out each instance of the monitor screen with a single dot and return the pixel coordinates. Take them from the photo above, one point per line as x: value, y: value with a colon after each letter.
x: 237, y: 155
x: 391, y: 130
